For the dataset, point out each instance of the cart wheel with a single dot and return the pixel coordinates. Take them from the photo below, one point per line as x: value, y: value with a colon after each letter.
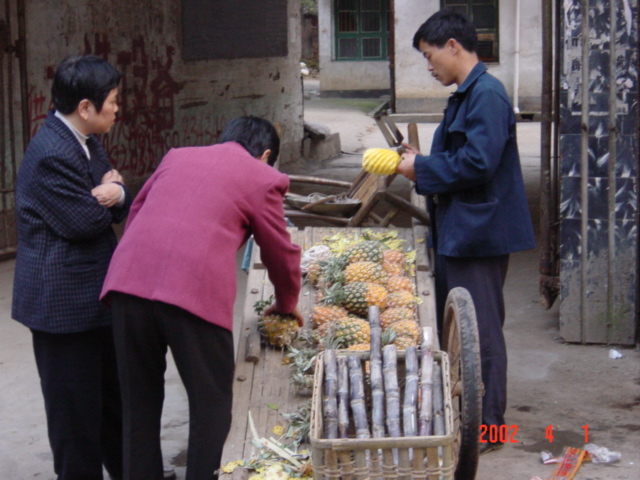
x: 461, y: 343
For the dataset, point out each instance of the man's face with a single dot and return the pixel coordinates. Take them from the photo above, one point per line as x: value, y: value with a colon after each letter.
x: 440, y: 61
x: 101, y: 122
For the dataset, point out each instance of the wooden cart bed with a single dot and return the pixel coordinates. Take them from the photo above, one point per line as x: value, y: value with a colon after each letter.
x: 262, y: 382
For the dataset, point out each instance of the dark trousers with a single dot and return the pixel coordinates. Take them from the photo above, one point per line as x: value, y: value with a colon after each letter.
x: 203, y: 353
x: 484, y: 278
x: 79, y: 380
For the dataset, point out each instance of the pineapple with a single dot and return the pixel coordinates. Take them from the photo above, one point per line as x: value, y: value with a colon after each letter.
x: 395, y: 314
x: 350, y: 331
x: 367, y: 251
x: 401, y: 299
x: 393, y: 262
x: 393, y: 256
x: 393, y: 269
x: 402, y: 343
x: 360, y: 347
x: 278, y: 330
x: 365, y: 272
x: 397, y: 283
x: 408, y: 333
x: 358, y: 296
x: 313, y: 273
x: 331, y: 272
x: 321, y: 314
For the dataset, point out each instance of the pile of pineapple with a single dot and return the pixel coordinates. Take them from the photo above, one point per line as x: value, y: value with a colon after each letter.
x: 371, y: 270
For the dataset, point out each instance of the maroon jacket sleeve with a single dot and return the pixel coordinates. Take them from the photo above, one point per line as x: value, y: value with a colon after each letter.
x: 278, y: 254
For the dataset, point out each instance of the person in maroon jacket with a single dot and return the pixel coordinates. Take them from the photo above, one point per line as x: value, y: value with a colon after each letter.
x: 171, y: 283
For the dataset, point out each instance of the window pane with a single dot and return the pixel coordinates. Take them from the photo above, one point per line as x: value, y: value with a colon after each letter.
x: 347, y: 22
x: 458, y: 9
x: 484, y: 16
x: 370, y: 5
x: 370, y: 22
x: 485, y: 50
x: 348, y: 47
x: 371, y: 48
x: 347, y: 4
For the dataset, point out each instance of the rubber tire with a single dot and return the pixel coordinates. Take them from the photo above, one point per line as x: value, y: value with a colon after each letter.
x: 461, y: 343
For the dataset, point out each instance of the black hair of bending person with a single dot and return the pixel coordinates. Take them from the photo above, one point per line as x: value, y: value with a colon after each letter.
x: 255, y: 134
x: 443, y: 25
x: 83, y: 76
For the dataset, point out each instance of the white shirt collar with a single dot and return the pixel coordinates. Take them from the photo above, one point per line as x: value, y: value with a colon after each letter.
x: 82, y: 138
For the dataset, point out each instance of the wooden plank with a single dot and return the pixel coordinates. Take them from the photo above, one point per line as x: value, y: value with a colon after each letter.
x: 244, y: 372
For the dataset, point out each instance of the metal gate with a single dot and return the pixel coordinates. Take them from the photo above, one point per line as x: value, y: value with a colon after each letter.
x: 14, y: 121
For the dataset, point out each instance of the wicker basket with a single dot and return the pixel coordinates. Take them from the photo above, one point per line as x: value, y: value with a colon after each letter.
x: 430, y: 457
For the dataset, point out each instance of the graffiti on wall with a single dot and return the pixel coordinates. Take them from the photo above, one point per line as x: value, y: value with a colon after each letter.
x: 149, y: 121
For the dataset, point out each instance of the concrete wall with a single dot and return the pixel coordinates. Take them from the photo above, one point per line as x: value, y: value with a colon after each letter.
x: 417, y: 91
x: 345, y: 75
x: 165, y: 101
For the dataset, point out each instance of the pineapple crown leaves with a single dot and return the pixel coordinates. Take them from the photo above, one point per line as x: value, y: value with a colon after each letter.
x: 388, y: 336
x: 299, y: 423
x: 303, y: 359
x: 333, y: 270
x: 334, y: 295
x: 261, y: 305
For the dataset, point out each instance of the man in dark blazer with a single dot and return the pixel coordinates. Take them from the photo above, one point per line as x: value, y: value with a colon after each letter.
x: 475, y: 192
x: 67, y: 198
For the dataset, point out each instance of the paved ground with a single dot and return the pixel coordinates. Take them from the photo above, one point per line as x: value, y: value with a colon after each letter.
x: 550, y: 383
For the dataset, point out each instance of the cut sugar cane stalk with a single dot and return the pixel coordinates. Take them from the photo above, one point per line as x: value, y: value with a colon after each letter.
x: 392, y: 392
x: 426, y: 406
x: 410, y: 393
x: 377, y: 387
x: 343, y: 413
x: 330, y: 400
x: 356, y: 389
x: 343, y: 398
x: 438, y: 401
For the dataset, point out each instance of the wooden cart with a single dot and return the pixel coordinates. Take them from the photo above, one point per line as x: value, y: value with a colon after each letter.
x: 263, y: 386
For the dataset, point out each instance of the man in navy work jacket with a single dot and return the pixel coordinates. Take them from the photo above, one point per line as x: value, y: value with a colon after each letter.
x: 68, y: 196
x: 475, y: 192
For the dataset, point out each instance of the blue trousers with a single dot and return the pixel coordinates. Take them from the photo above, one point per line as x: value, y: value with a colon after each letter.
x: 484, y: 278
x: 79, y: 380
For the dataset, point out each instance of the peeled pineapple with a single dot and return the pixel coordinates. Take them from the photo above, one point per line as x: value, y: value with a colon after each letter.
x: 380, y: 161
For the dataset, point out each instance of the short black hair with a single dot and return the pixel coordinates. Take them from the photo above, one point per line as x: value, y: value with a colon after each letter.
x: 443, y: 25
x: 83, y: 76
x: 255, y: 134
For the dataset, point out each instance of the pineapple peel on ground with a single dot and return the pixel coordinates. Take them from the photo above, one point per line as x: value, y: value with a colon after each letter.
x: 381, y: 161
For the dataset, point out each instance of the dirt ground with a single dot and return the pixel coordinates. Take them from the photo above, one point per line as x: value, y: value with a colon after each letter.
x: 576, y: 389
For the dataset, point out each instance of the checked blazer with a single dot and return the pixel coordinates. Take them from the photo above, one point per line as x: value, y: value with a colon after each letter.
x: 65, y: 238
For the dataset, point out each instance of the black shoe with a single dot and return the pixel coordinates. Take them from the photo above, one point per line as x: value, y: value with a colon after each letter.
x: 168, y: 473
x: 490, y: 447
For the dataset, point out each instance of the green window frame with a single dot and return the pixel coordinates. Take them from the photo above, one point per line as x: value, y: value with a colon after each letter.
x: 485, y: 17
x: 361, y: 30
